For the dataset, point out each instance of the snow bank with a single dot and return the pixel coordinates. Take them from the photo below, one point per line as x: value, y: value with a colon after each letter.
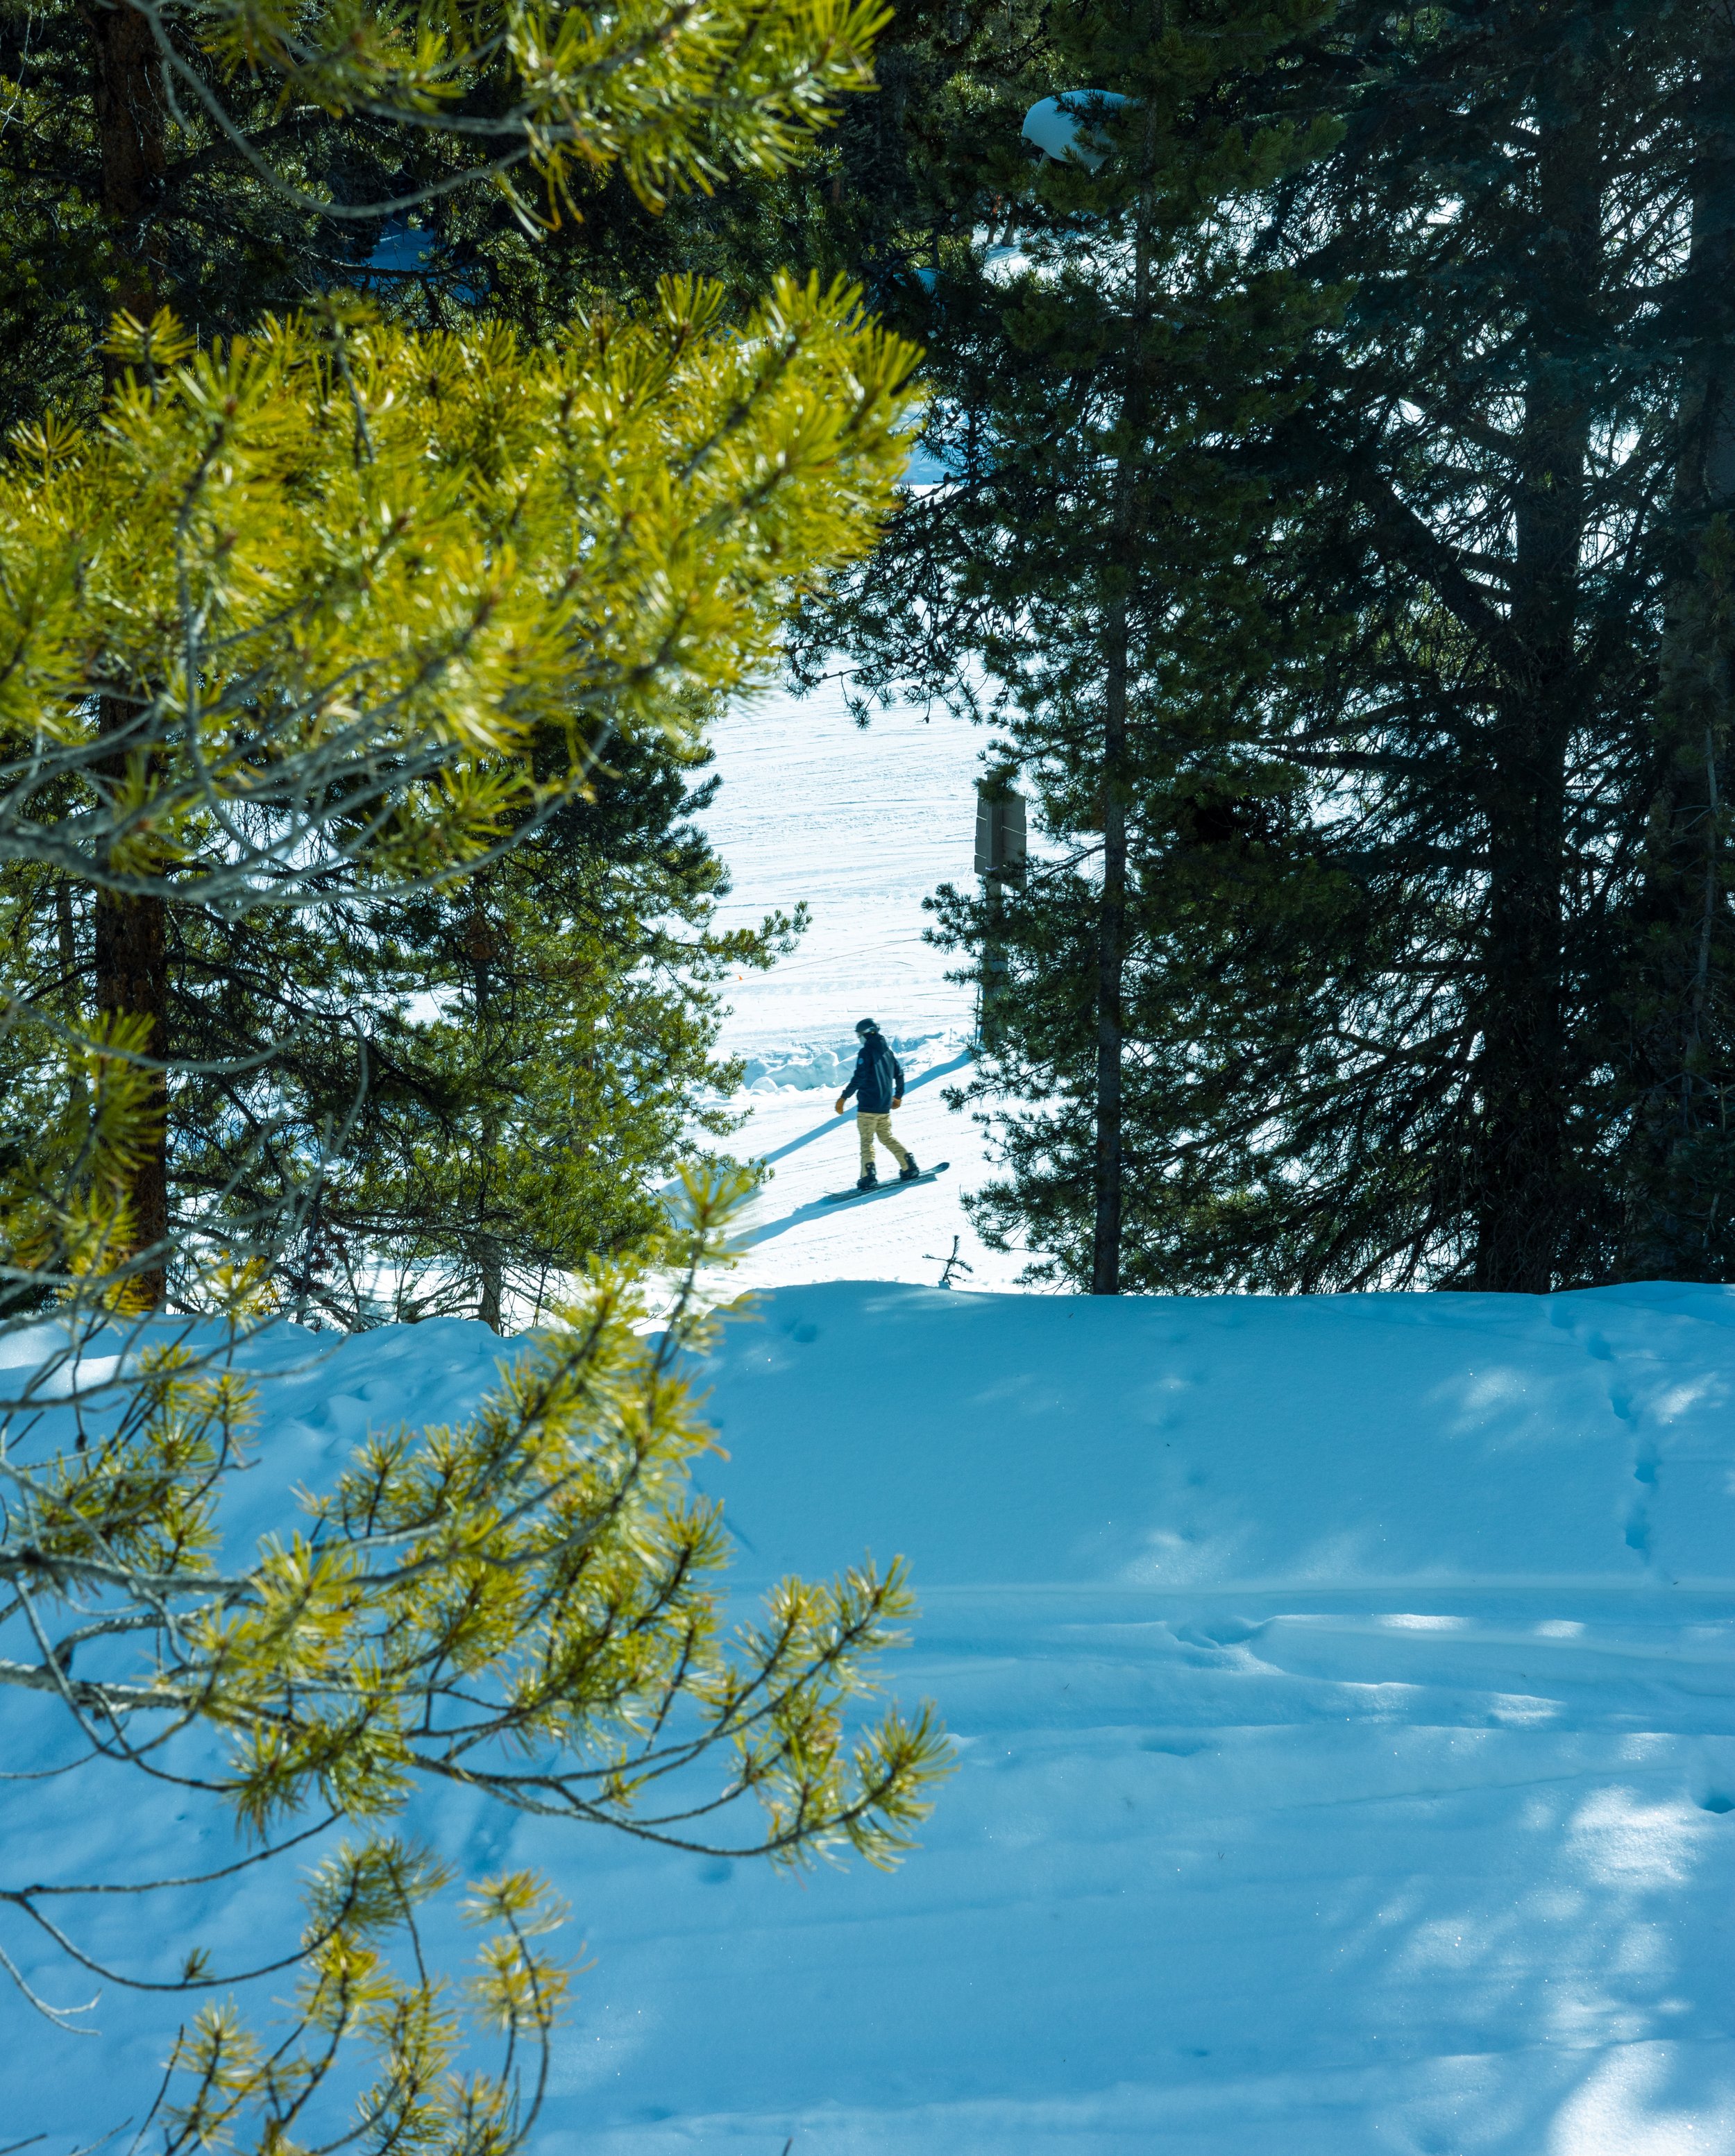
x: 805, y: 1066
x: 1345, y: 1699
x: 798, y: 1067
x: 1344, y: 1694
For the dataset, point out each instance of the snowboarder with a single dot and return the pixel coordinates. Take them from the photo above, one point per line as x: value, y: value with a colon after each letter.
x: 879, y: 1087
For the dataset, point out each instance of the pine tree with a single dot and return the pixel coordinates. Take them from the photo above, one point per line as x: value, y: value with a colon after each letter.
x: 1431, y: 926
x: 1087, y: 552
x: 1498, y: 206
x: 373, y: 604
x: 188, y: 182
x: 476, y: 1089
x: 1679, y: 1060
x: 230, y: 158
x: 190, y: 186
x: 1493, y: 459
x: 339, y: 614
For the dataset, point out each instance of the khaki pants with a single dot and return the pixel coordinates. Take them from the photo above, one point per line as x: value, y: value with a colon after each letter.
x: 870, y: 1127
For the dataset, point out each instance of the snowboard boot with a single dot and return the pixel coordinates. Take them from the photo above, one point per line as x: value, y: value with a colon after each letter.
x: 869, y: 1180
x: 909, y: 1172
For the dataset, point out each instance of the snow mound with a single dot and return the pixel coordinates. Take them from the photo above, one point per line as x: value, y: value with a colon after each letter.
x: 797, y: 1068
x: 807, y: 1066
x: 1344, y: 1691
x: 1345, y: 1697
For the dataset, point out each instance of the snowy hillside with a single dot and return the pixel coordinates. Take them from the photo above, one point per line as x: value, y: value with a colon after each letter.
x: 1345, y: 1699
x: 863, y: 823
x: 1344, y: 1690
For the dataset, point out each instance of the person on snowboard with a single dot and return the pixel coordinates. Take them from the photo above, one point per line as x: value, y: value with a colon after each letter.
x: 879, y: 1087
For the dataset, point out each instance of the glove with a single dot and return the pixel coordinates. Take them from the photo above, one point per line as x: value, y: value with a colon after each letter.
x: 898, y: 1100
x: 842, y: 1104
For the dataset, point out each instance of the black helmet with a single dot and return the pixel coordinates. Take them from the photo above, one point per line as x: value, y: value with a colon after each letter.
x: 864, y: 1027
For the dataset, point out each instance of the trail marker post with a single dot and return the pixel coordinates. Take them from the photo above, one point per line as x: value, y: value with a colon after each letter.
x: 999, y: 862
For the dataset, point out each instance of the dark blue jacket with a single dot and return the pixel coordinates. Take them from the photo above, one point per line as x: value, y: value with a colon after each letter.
x: 879, y: 1076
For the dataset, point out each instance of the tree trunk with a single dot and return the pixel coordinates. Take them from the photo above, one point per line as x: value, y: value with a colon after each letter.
x: 1109, y: 1209
x: 1526, y: 1207
x: 488, y: 1308
x: 127, y: 96
x: 130, y: 938
x: 991, y: 996
x: 1676, y: 1184
x: 66, y: 946
x: 483, y: 949
x: 1110, y: 957
x: 131, y: 963
x: 1706, y: 483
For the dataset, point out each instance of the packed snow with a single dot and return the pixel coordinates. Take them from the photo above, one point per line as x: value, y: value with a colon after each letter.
x: 1343, y: 1689
x: 863, y: 823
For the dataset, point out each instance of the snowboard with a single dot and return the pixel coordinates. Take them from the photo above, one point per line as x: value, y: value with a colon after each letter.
x: 879, y: 1189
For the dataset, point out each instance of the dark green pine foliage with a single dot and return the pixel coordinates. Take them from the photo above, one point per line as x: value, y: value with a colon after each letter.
x: 1494, y: 457
x: 1497, y: 1084
x: 447, y: 1104
x: 1427, y: 931
x: 1088, y: 578
x: 1679, y: 995
x: 109, y: 199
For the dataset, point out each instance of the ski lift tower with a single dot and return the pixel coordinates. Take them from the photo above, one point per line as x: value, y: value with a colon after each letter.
x: 1000, y: 864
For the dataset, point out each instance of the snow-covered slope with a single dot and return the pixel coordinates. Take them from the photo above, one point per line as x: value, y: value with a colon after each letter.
x: 1344, y: 1690
x: 1345, y: 1693
x: 862, y: 823
x: 1345, y: 1698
